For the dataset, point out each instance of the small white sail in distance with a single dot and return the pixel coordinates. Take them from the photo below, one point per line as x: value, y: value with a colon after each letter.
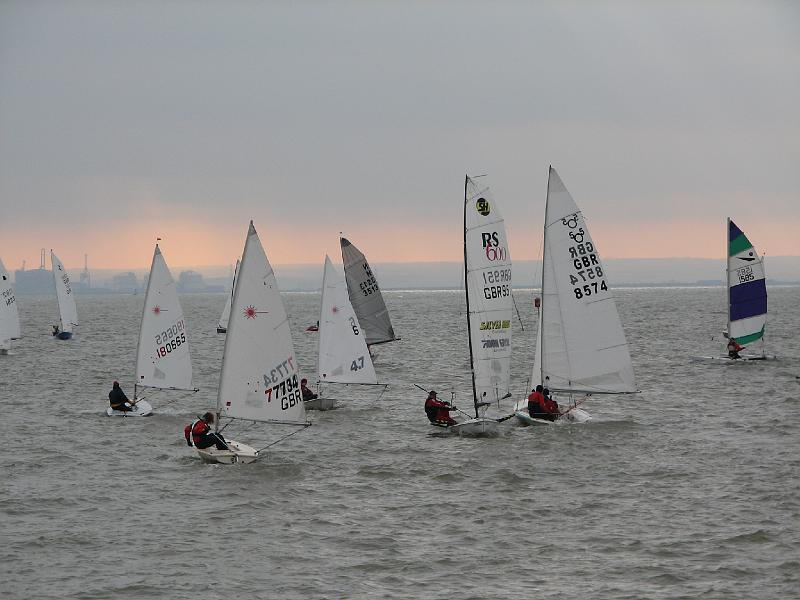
x: 226, y: 311
x: 163, y: 359
x: 260, y: 375
x: 8, y: 303
x: 583, y: 346
x: 343, y: 353
x: 66, y: 299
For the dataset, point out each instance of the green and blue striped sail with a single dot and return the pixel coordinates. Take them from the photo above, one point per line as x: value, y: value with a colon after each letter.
x: 747, y: 289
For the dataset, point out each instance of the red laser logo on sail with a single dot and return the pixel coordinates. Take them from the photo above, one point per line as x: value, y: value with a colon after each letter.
x: 157, y: 310
x: 250, y: 312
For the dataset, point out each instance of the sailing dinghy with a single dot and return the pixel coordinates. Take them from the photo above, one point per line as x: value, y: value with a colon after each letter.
x: 162, y: 357
x: 487, y: 288
x: 67, y: 310
x: 343, y: 353
x: 747, y: 297
x: 581, y: 348
x: 260, y: 379
x: 9, y: 316
x: 222, y: 326
x: 365, y: 296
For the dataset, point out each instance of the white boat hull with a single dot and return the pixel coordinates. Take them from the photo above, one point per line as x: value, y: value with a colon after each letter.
x: 320, y: 404
x: 481, y: 427
x: 576, y: 415
x: 141, y: 409
x: 238, y: 453
x: 742, y: 358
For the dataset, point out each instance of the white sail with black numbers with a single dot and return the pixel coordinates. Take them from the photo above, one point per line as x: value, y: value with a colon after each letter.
x: 365, y: 296
x: 583, y: 346
x: 343, y: 353
x: 260, y: 378
x: 8, y: 305
x: 66, y: 299
x: 487, y: 264
x: 163, y: 359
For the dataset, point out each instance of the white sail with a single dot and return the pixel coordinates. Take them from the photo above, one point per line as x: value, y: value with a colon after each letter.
x: 163, y: 359
x: 66, y: 299
x: 583, y: 344
x: 8, y: 304
x: 488, y: 286
x: 260, y: 378
x: 226, y: 311
x: 343, y: 353
x: 365, y: 295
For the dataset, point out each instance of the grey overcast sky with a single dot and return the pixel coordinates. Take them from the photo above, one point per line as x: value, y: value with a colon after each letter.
x: 123, y: 121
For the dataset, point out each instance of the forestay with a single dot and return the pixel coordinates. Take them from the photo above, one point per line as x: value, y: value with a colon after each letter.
x: 66, y: 299
x: 226, y: 311
x: 365, y: 296
x: 343, y: 353
x: 583, y: 346
x: 259, y: 378
x: 163, y: 359
x: 747, y: 290
x: 487, y: 263
x: 8, y: 304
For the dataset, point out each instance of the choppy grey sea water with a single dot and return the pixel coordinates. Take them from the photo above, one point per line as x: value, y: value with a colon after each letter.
x: 687, y: 490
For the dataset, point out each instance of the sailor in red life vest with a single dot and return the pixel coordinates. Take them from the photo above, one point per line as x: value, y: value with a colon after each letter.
x: 537, y: 404
x: 733, y: 348
x: 200, y: 435
x: 438, y: 412
x: 550, y: 406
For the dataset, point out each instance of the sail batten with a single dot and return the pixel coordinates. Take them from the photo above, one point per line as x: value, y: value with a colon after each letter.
x: 581, y: 341
x: 163, y: 358
x: 260, y: 372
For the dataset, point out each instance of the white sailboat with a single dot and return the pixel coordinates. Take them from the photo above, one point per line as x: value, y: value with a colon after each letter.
x: 487, y: 287
x: 343, y: 353
x: 162, y: 357
x: 747, y: 297
x: 260, y: 378
x: 222, y: 326
x: 67, y: 310
x: 365, y: 296
x: 581, y: 348
x: 8, y: 305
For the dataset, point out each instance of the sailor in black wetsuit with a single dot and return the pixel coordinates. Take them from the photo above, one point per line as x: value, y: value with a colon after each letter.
x: 118, y: 399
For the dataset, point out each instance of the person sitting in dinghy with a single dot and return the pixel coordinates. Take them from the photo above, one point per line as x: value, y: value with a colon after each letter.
x: 201, y: 435
x: 438, y: 412
x: 537, y: 404
x: 733, y: 348
x: 307, y: 393
x: 118, y: 399
x: 56, y: 330
x: 550, y: 406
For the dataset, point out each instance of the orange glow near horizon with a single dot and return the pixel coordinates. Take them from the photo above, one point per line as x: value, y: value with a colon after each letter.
x: 196, y: 244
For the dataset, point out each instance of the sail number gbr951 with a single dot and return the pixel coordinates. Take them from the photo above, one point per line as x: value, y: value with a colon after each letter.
x: 171, y: 339
x: 282, y: 385
x: 497, y: 283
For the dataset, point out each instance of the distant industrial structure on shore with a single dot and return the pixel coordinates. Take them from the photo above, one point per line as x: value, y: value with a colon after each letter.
x: 40, y: 281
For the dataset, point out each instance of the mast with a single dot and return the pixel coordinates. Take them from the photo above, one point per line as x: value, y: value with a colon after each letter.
x: 466, y: 295
x: 728, y: 272
x: 541, y: 282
